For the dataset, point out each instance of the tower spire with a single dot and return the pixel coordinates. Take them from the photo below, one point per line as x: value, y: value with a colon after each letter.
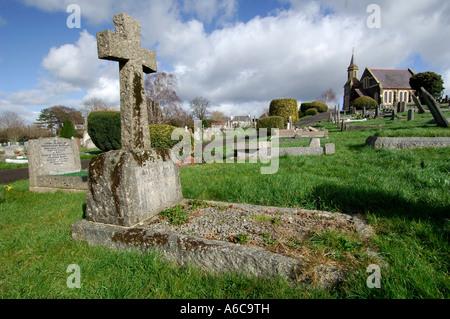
x: 352, y: 62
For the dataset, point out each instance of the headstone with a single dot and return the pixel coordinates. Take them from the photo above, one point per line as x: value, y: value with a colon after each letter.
x: 434, y: 108
x: 411, y: 115
x: 403, y: 107
x: 315, y: 142
x: 329, y: 148
x: 135, y: 183
x: 394, y: 114
x: 364, y: 111
x: 377, y: 112
x: 9, y: 152
x: 291, y: 126
x: 418, y: 104
x: 52, y: 156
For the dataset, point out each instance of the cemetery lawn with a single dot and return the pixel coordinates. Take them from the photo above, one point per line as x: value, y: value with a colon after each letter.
x: 404, y: 195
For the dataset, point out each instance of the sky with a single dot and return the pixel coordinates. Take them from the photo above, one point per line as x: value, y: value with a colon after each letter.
x: 239, y: 54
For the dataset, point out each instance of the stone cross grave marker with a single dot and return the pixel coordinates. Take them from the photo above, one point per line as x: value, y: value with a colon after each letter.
x: 124, y: 46
x: 135, y: 183
x: 434, y: 108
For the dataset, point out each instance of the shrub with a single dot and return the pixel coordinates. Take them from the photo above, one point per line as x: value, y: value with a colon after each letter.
x: 104, y: 129
x: 207, y: 123
x: 312, y: 111
x: 365, y: 101
x: 305, y: 106
x: 161, y: 135
x: 271, y: 122
x: 319, y: 106
x: 68, y: 130
x: 284, y: 108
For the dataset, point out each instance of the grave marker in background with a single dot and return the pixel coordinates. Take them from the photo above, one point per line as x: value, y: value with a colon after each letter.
x: 51, y: 156
x: 434, y: 108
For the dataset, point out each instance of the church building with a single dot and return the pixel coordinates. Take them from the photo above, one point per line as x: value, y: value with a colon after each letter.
x: 386, y: 86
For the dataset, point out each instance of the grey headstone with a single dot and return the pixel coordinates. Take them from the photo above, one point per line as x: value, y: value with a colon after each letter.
x: 329, y: 148
x: 394, y: 114
x: 127, y: 187
x: 418, y: 104
x: 9, y: 152
x: 52, y: 156
x: 124, y: 46
x: 411, y: 115
x: 403, y: 107
x: 434, y: 108
x: 315, y: 142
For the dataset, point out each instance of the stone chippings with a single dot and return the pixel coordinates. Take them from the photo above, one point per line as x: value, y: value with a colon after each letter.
x: 208, y: 239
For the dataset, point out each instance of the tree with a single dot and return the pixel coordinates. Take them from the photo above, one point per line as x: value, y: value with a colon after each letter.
x: 53, y: 117
x: 200, y: 106
x: 328, y: 97
x: 218, y: 116
x: 163, y: 102
x: 95, y: 104
x: 12, y: 125
x: 68, y: 130
x: 430, y: 81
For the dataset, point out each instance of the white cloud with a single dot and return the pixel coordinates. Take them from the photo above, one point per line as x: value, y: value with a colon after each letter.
x: 296, y: 53
x: 76, y: 64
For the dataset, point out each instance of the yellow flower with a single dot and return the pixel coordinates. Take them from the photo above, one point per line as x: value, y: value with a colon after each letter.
x: 8, y: 188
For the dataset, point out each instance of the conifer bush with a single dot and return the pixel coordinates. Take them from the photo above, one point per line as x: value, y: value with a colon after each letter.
x: 284, y: 108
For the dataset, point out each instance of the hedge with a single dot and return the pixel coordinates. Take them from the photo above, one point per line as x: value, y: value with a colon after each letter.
x: 365, y: 101
x: 271, y: 122
x: 284, y: 108
x: 104, y: 129
x: 304, y: 106
x: 319, y: 106
x: 312, y: 111
x: 161, y: 135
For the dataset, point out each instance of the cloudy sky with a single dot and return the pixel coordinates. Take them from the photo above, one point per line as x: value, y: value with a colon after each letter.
x: 240, y: 54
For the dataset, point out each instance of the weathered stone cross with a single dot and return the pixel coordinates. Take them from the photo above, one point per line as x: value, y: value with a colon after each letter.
x: 124, y: 46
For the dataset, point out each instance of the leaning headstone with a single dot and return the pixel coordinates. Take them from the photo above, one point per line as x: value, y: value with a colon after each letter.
x: 411, y: 115
x: 133, y: 184
x: 434, y: 108
x: 418, y: 104
x: 51, y: 156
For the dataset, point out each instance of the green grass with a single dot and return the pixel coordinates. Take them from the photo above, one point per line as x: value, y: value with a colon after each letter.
x: 6, y: 166
x: 404, y: 195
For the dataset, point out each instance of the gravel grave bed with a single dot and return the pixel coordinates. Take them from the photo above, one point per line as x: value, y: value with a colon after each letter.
x: 280, y: 230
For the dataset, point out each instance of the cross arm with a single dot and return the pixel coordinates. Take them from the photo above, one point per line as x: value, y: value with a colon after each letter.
x: 109, y: 47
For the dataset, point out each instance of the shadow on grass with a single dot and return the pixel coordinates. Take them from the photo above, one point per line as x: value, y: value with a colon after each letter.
x: 352, y: 200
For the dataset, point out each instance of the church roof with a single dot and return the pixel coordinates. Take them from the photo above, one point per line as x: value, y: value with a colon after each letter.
x: 390, y: 78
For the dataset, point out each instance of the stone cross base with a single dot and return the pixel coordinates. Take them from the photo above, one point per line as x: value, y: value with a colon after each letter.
x: 127, y: 187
